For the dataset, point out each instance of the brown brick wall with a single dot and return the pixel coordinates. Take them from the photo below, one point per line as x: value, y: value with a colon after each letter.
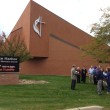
x: 61, y: 57
x: 9, y: 78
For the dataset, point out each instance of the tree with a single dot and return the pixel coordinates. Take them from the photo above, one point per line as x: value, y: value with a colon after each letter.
x: 14, y: 47
x: 101, y: 30
x: 2, y: 38
x: 98, y: 47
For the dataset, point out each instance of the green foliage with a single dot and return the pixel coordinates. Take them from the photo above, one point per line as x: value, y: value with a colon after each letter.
x: 55, y: 95
x: 101, y: 30
x: 15, y: 47
x: 99, y: 48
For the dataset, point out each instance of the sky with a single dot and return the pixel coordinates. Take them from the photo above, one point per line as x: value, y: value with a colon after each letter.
x: 80, y: 13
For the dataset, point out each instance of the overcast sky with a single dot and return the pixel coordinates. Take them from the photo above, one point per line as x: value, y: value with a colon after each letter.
x: 81, y: 13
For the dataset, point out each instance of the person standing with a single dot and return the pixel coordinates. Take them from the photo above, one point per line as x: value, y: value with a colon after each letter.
x: 90, y: 71
x: 73, y: 77
x: 78, y: 75
x: 105, y: 79
x: 94, y: 75
x: 83, y: 74
x: 108, y: 80
x: 99, y: 77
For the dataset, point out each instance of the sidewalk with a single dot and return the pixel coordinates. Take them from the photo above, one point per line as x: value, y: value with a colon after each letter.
x: 88, y: 108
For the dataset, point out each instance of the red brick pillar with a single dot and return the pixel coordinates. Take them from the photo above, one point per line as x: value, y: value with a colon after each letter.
x: 9, y: 78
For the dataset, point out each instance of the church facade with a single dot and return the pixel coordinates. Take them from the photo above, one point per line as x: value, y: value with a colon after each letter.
x: 53, y: 42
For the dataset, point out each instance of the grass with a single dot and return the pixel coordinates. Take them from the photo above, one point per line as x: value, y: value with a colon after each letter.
x: 55, y: 95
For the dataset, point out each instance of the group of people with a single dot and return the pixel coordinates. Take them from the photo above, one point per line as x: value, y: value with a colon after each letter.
x: 97, y: 75
x: 78, y: 75
x: 100, y: 77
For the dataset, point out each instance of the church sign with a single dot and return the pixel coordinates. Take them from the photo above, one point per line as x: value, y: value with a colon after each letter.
x: 9, y: 64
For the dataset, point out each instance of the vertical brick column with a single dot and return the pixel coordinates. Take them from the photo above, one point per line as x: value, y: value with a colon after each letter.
x: 9, y: 78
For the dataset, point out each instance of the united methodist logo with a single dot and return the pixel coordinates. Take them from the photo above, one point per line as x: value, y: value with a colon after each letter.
x: 37, y: 25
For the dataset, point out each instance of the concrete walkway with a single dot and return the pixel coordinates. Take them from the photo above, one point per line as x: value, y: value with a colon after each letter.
x: 88, y: 108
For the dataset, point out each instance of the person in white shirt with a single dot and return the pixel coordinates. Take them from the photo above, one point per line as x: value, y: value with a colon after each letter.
x: 90, y: 71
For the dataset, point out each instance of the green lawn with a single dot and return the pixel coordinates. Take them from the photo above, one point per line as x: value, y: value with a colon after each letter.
x: 55, y: 95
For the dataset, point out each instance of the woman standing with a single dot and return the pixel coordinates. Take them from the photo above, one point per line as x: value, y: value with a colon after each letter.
x: 78, y: 75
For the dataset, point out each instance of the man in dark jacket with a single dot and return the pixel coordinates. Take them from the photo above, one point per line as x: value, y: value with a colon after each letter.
x: 83, y: 74
x: 99, y: 77
x: 108, y: 80
x: 94, y: 76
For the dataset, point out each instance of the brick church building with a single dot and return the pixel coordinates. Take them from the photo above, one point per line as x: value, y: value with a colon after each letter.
x: 53, y: 42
